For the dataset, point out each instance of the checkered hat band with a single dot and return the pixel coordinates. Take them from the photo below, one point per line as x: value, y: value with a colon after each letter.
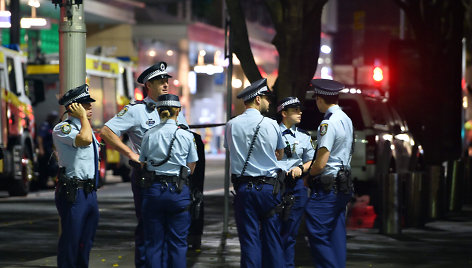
x: 168, y: 103
x: 85, y: 94
x: 253, y: 95
x: 323, y: 92
x: 153, y: 74
x: 285, y: 104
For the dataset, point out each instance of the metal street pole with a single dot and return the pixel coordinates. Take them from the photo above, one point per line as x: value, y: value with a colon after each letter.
x: 71, y: 45
x: 229, y: 95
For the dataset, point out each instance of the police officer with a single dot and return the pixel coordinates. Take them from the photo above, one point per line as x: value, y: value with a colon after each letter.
x: 135, y: 119
x: 76, y: 198
x: 169, y: 154
x: 298, y: 154
x: 330, y: 182
x: 255, y: 143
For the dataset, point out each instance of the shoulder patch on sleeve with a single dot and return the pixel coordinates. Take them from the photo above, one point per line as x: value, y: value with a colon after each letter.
x: 323, y: 129
x: 66, y: 128
x: 122, y: 112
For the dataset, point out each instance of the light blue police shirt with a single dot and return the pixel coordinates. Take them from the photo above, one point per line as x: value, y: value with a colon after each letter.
x: 135, y: 120
x: 238, y: 137
x: 156, y: 142
x: 300, y: 145
x: 78, y: 161
x: 335, y: 134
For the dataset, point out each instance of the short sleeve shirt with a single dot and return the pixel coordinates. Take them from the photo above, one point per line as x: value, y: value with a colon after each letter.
x: 136, y: 120
x: 156, y: 142
x: 335, y: 133
x: 239, y: 133
x: 79, y: 162
x: 300, y: 145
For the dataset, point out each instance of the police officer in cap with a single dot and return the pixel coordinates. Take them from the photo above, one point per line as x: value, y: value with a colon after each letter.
x: 330, y: 180
x: 255, y: 144
x: 135, y: 119
x: 298, y: 153
x: 76, y: 198
x: 169, y: 154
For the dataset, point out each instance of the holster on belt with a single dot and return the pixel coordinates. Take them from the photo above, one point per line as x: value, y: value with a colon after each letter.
x: 279, y: 185
x: 144, y: 177
x: 290, y: 182
x: 344, y: 181
x: 183, y: 178
x: 67, y: 187
x: 287, y: 202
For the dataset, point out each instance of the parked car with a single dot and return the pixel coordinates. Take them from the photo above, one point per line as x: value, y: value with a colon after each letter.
x: 383, y: 143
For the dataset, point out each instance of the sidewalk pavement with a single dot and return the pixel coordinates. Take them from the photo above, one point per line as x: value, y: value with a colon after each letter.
x: 442, y: 243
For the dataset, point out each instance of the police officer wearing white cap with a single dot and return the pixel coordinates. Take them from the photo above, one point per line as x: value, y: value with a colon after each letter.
x: 169, y: 154
x: 298, y: 154
x: 255, y: 143
x: 330, y: 179
x: 135, y: 119
x: 76, y: 198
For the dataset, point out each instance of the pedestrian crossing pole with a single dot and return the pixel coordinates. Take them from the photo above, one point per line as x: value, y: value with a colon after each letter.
x: 229, y: 95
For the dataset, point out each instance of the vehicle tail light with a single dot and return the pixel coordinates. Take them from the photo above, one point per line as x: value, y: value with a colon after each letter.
x: 370, y: 150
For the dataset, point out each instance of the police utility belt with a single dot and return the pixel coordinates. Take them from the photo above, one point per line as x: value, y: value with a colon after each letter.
x: 342, y: 182
x: 69, y: 186
x: 256, y: 182
x: 149, y: 178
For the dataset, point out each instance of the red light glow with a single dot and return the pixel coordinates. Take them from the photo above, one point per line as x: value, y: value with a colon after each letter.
x: 378, y: 74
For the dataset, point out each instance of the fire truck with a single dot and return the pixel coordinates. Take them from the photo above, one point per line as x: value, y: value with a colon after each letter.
x: 17, y: 154
x: 111, y: 83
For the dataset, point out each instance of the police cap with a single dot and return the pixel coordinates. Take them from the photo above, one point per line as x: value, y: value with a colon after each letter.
x: 157, y: 71
x: 79, y: 94
x: 326, y: 87
x: 258, y: 88
x: 289, y: 102
x: 168, y: 100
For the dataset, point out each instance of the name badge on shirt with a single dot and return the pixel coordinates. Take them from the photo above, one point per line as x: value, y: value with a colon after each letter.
x: 150, y: 122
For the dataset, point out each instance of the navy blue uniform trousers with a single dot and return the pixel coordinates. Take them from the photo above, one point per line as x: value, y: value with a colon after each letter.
x: 79, y: 221
x: 139, y: 251
x: 326, y: 226
x: 166, y: 221
x: 259, y: 235
x: 292, y: 224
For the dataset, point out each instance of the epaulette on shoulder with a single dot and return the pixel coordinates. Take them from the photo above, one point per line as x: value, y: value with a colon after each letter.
x: 327, y: 116
x: 303, y: 131
x: 137, y: 102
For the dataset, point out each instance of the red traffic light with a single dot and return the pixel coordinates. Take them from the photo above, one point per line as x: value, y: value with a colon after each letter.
x: 378, y: 74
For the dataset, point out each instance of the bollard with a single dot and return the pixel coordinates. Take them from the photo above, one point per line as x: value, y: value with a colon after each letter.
x: 455, y: 195
x: 432, y: 184
x: 391, y: 206
x: 413, y: 199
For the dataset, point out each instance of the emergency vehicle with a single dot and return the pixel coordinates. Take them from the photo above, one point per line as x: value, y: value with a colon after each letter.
x: 111, y: 83
x: 17, y: 154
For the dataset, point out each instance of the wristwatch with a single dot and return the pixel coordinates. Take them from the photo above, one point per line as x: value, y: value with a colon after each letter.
x: 301, y: 167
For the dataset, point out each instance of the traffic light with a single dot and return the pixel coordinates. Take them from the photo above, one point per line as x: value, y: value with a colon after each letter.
x: 377, y: 74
